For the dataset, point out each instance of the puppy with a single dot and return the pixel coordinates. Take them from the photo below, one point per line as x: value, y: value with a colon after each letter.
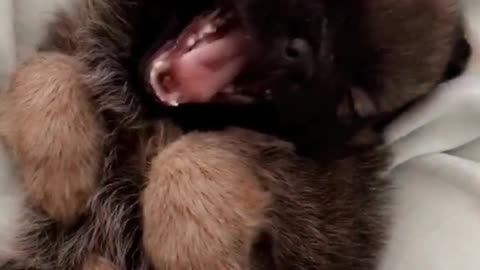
x: 117, y: 170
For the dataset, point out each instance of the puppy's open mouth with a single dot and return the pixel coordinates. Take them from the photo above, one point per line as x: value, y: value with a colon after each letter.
x: 200, y: 65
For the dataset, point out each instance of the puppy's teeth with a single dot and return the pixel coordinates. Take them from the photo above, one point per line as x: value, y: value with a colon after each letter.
x: 208, y: 29
x: 159, y: 67
x: 174, y: 99
x: 191, y: 41
x: 214, y: 13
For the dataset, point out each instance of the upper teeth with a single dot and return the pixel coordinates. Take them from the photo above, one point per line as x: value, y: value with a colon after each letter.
x: 208, y: 29
x: 173, y: 99
x: 214, y: 14
x: 159, y: 67
x: 191, y: 41
x: 195, y: 38
x: 211, y: 24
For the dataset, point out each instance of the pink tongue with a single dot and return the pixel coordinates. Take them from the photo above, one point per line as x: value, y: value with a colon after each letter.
x: 206, y: 70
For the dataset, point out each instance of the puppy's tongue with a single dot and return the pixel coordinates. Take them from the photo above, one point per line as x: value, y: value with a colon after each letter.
x: 209, y: 69
x: 198, y: 74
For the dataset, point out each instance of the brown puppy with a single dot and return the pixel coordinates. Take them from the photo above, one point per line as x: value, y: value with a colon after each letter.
x: 228, y: 199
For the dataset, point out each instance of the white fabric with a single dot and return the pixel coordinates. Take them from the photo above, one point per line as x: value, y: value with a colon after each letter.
x: 436, y: 172
x: 22, y: 24
x: 11, y: 207
x: 7, y: 40
x: 436, y: 169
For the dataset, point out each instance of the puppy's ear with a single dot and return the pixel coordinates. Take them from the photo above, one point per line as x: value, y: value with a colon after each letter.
x: 461, y: 51
x: 447, y: 6
x: 460, y: 56
x: 410, y: 43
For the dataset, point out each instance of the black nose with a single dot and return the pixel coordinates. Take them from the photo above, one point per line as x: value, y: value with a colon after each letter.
x: 299, y: 56
x: 297, y: 50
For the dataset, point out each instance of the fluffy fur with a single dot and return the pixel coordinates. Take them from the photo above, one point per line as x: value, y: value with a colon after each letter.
x: 58, y: 170
x: 228, y: 199
x: 216, y: 226
x: 94, y: 262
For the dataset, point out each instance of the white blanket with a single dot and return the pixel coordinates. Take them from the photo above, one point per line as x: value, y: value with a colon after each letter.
x: 437, y: 174
x: 22, y: 25
x: 436, y: 169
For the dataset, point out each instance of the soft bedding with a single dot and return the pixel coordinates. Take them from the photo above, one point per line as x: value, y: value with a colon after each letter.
x: 436, y: 144
x: 436, y: 171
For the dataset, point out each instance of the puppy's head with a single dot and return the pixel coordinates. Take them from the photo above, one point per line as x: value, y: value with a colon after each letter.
x: 364, y: 57
x: 311, y: 59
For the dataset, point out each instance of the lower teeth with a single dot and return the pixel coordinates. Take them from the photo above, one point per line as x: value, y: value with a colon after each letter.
x: 173, y: 99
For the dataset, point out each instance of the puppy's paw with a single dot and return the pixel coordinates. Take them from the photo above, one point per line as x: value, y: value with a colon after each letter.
x: 203, y: 205
x: 50, y: 126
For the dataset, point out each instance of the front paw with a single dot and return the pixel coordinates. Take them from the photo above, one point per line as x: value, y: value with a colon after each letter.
x: 50, y: 126
x: 203, y: 205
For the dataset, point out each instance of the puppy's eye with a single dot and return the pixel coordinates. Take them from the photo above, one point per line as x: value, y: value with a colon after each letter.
x: 297, y: 49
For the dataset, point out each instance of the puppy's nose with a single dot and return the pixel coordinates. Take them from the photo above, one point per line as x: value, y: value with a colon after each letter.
x: 299, y: 54
x: 297, y: 49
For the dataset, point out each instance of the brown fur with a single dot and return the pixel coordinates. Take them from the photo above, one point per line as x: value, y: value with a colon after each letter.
x: 59, y: 160
x: 276, y: 210
x: 94, y: 262
x: 408, y: 69
x: 203, y: 202
x: 242, y: 200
